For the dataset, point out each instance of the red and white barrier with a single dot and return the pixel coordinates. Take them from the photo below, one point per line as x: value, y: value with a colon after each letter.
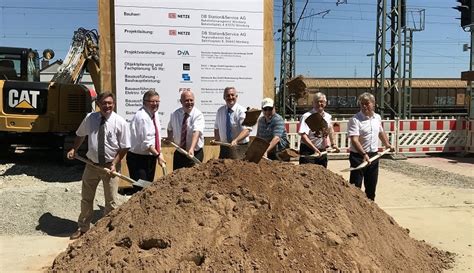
x: 470, y: 137
x: 410, y: 136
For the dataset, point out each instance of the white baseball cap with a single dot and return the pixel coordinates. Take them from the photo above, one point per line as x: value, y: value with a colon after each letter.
x: 267, y: 102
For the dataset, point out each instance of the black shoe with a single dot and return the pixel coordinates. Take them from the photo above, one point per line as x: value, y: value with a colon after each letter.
x: 76, y: 234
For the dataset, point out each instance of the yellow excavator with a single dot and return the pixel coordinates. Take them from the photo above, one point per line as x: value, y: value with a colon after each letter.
x: 42, y: 114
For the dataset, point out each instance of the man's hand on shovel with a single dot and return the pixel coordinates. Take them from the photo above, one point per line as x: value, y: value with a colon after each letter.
x: 140, y: 183
x: 216, y: 142
x: 183, y: 151
x: 367, y: 161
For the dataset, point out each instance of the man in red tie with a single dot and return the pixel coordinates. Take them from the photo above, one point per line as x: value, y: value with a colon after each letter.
x: 145, y: 139
x: 186, y: 128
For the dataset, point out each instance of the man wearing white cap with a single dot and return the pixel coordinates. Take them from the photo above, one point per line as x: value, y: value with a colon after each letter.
x: 271, y: 127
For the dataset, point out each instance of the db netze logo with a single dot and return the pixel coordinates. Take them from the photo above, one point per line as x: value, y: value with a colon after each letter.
x: 26, y: 99
x: 173, y: 15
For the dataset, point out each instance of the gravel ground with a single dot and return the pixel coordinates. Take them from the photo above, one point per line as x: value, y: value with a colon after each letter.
x: 41, y: 196
x: 38, y: 195
x: 428, y: 175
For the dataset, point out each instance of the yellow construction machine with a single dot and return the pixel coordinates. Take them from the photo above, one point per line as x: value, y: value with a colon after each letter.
x: 42, y: 114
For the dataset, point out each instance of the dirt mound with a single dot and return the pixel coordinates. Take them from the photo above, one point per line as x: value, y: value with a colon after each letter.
x: 234, y: 215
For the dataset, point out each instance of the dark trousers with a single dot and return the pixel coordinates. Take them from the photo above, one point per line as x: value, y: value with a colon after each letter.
x: 369, y: 174
x: 306, y: 150
x: 182, y: 161
x: 235, y: 152
x: 141, y: 166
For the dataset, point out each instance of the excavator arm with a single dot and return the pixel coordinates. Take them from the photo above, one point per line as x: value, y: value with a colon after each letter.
x: 83, y: 53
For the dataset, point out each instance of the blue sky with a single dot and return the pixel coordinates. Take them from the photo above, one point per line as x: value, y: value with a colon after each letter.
x: 335, y: 45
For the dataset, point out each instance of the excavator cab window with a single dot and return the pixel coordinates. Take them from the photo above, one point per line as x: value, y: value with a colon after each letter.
x: 7, y: 67
x: 21, y: 64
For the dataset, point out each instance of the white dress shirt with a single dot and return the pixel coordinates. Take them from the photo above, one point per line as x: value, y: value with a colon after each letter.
x: 368, y: 129
x: 117, y: 135
x: 142, y: 132
x: 195, y: 123
x: 236, y: 118
x: 319, y: 142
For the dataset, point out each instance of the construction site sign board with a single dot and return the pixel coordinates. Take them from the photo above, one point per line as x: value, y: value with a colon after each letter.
x: 173, y: 46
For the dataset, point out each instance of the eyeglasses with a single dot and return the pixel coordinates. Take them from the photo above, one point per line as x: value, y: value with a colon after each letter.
x: 106, y: 103
x: 267, y: 108
x: 153, y: 101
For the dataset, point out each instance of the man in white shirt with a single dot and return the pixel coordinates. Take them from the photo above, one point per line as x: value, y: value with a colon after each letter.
x: 108, y: 142
x: 186, y: 128
x: 364, y: 130
x: 316, y: 142
x: 228, y: 127
x: 145, y: 139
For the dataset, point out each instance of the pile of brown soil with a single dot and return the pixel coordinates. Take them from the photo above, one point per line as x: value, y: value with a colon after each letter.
x: 235, y: 215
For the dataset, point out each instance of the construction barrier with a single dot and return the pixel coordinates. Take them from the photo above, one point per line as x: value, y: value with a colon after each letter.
x: 408, y: 135
x: 470, y: 137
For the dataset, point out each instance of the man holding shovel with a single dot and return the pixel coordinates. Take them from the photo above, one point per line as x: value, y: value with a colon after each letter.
x: 364, y: 130
x: 108, y: 142
x: 145, y: 139
x: 185, y: 128
x: 228, y: 127
x: 315, y: 142
x: 271, y: 128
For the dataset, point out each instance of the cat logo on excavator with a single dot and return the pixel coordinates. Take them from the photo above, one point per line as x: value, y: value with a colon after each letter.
x: 25, y: 99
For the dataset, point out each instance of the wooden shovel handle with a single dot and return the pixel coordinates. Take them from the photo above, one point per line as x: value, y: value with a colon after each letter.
x: 221, y: 143
x: 372, y: 159
x: 107, y: 170
x: 164, y: 169
x: 181, y: 150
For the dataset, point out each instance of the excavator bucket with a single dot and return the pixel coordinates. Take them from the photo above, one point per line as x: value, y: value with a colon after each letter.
x: 256, y: 150
x: 251, y: 117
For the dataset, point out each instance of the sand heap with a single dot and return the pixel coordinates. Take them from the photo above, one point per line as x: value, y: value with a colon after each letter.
x: 234, y: 215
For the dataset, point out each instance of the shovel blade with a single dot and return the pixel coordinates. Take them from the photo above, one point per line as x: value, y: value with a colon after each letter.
x: 287, y: 154
x: 256, y: 150
x: 142, y: 183
x: 251, y: 117
x: 316, y: 122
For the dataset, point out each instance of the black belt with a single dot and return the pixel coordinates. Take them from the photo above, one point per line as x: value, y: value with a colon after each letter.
x: 141, y: 155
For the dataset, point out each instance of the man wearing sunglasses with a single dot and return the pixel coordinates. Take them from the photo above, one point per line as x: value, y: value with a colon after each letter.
x: 271, y: 127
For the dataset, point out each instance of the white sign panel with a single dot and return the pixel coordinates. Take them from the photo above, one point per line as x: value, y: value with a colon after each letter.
x: 203, y: 46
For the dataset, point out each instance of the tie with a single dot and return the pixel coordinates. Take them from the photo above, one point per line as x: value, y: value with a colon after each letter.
x: 101, y: 141
x: 184, y: 131
x: 228, y: 126
x: 157, y: 135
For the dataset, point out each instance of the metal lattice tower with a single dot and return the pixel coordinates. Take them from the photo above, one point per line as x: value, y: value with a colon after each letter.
x: 407, y: 74
x: 410, y: 28
x: 388, y: 58
x: 288, y: 53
